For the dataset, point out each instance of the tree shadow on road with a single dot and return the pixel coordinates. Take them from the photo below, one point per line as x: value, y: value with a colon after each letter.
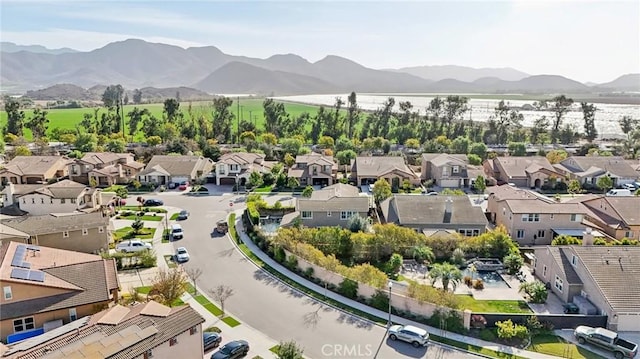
x: 355, y: 321
x: 277, y: 283
x: 227, y: 253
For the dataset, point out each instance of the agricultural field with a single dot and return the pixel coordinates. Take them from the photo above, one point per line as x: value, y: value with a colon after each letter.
x: 247, y: 109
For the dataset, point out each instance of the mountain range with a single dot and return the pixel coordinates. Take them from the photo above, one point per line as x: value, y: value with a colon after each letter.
x: 138, y: 64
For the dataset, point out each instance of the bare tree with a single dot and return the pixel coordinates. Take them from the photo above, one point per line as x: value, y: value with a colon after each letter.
x: 220, y: 294
x: 194, y: 274
x: 169, y: 285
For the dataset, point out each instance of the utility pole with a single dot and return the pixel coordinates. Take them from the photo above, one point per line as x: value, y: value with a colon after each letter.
x: 238, y: 115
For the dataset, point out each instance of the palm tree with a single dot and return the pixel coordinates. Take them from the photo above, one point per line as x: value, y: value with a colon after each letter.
x: 447, y: 273
x: 422, y: 253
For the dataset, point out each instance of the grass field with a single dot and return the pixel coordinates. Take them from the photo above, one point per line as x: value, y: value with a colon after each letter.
x: 493, y: 306
x: 248, y: 109
x: 553, y: 345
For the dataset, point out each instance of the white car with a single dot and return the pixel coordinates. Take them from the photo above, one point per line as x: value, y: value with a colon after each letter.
x: 416, y: 336
x: 133, y: 245
x: 182, y: 255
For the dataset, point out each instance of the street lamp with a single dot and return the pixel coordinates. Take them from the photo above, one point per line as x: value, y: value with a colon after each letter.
x: 389, y: 285
x: 237, y: 184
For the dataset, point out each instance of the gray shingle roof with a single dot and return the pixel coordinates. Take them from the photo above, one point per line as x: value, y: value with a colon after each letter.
x: 35, y: 165
x: 338, y: 197
x: 96, y: 158
x: 50, y: 223
x: 426, y: 210
x: 561, y: 256
x: 375, y: 166
x: 520, y: 166
x: 614, y: 164
x: 179, y: 165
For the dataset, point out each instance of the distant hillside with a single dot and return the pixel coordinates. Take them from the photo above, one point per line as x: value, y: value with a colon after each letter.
x: 68, y: 92
x: 12, y: 47
x: 136, y: 63
x: 64, y: 92
x: 462, y: 73
x: 628, y: 82
x: 152, y: 94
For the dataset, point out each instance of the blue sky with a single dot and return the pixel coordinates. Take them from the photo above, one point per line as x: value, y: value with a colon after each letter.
x: 583, y: 40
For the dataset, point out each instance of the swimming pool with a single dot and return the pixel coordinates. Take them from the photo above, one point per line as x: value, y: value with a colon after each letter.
x: 490, y: 279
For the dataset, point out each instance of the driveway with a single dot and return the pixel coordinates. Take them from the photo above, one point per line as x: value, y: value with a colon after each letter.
x: 271, y: 307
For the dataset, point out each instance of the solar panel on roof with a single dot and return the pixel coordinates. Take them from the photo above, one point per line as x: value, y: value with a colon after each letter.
x: 36, y: 275
x: 19, y: 273
x: 26, y: 265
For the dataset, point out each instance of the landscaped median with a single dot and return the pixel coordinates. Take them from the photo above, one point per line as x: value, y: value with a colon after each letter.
x: 212, y: 308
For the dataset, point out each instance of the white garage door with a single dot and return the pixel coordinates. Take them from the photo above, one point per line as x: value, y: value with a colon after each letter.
x: 449, y: 183
x: 179, y: 179
x: 629, y: 322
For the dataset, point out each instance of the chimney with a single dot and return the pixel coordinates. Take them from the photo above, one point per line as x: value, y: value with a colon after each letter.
x: 9, y: 192
x: 448, y: 205
x: 587, y: 237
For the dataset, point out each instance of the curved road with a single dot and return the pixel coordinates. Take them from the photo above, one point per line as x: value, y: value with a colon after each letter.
x: 272, y: 307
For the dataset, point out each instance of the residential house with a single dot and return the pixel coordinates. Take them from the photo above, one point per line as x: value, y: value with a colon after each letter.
x: 236, y: 167
x: 145, y: 330
x: 333, y: 206
x: 44, y: 288
x: 618, y: 217
x: 635, y: 164
x: 79, y: 232
x: 599, y: 279
x: 60, y: 197
x: 367, y: 170
x: 530, y: 172
x: 449, y: 171
x: 162, y: 170
x: 434, y: 213
x: 34, y: 169
x: 314, y: 169
x: 105, y: 168
x: 588, y: 169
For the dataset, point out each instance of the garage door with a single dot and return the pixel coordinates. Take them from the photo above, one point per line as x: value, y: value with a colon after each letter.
x: 629, y: 322
x: 227, y: 181
x: 449, y: 183
x: 179, y: 179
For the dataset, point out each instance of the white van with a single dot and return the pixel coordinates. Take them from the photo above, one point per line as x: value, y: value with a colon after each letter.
x: 618, y: 192
x: 176, y: 231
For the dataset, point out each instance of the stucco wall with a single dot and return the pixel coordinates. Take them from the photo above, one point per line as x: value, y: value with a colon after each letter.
x: 38, y: 204
x: 189, y: 346
x: 92, y: 242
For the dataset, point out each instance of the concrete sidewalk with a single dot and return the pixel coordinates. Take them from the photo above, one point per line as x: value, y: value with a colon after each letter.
x: 260, y: 343
x: 375, y: 312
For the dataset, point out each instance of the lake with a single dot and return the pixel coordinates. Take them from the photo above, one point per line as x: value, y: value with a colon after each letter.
x: 607, y: 115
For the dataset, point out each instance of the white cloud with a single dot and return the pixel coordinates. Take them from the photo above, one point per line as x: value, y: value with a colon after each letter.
x: 83, y: 40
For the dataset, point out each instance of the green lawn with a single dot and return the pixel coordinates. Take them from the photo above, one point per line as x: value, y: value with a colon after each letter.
x: 174, y: 216
x: 127, y: 233
x: 492, y: 306
x: 263, y: 189
x: 274, y: 349
x: 250, y: 110
x: 473, y: 348
x: 143, y: 290
x: 170, y: 263
x: 113, y: 188
x: 146, y: 209
x: 553, y: 345
x: 232, y: 322
x: 144, y: 218
x: 232, y: 227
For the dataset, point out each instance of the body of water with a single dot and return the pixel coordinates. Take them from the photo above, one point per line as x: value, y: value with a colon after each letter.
x: 607, y: 115
x: 490, y: 279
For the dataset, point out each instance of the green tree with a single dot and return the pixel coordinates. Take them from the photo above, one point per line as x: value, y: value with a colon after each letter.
x: 15, y: 117
x: 358, y: 224
x: 394, y: 264
x: 513, y: 262
x: 422, y: 254
x: 38, y: 123
x: 605, y: 183
x: 538, y: 132
x: 518, y: 149
x: 561, y: 105
x: 574, y: 187
x: 556, y: 156
x: 86, y: 142
x: 293, y: 182
x: 137, y: 226
x: 137, y: 96
x: 381, y: 190
x: 289, y: 350
x: 169, y: 285
x: 326, y: 142
x: 255, y: 179
x: 122, y: 192
x: 353, y: 115
x: 536, y: 291
x: 116, y: 145
x: 508, y: 330
x: 222, y: 119
x: 344, y: 157
x: 307, y: 192
x: 154, y: 140
x: 22, y: 151
x: 474, y: 159
x: 479, y: 149
x: 447, y: 273
x: 565, y: 239
x: 589, y: 116
x: 480, y: 184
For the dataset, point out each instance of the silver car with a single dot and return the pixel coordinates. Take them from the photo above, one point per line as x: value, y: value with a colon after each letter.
x: 182, y: 255
x: 416, y: 336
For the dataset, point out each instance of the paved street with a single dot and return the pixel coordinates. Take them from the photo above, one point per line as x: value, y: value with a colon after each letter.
x: 271, y: 307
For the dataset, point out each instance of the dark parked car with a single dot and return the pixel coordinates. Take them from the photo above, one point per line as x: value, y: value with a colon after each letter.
x: 153, y: 202
x: 222, y: 227
x: 232, y: 350
x: 571, y: 308
x: 211, y: 340
x: 183, y: 215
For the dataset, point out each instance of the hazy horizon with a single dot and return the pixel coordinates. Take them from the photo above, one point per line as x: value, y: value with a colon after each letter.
x: 588, y: 41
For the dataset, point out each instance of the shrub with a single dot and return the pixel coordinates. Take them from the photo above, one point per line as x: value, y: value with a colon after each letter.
x: 348, y: 288
x: 291, y: 262
x: 379, y: 300
x: 451, y: 321
x: 308, y: 272
x: 213, y: 330
x: 536, y: 291
x: 488, y: 335
x: 279, y: 255
x: 478, y: 284
x: 508, y: 330
x: 467, y: 281
x: 513, y: 262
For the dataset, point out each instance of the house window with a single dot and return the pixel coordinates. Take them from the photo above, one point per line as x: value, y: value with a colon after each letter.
x: 327, y: 168
x: 315, y: 171
x: 544, y: 271
x: 541, y: 233
x: 65, y: 234
x: 574, y: 260
x: 307, y: 215
x: 173, y: 341
x: 531, y: 217
x: 558, y: 283
x: 7, y: 293
x: 63, y: 201
x: 445, y: 171
x: 193, y: 330
x: 85, y: 231
x: 476, y: 232
x: 73, y: 315
x: 328, y: 213
x: 73, y: 200
x: 576, y: 218
x: 520, y: 233
x: 234, y: 168
x: 100, y: 229
x: 344, y: 215
x: 22, y: 324
x: 456, y: 169
x: 628, y: 234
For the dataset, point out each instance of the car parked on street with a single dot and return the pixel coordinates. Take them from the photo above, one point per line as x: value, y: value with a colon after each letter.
x: 132, y: 245
x: 152, y: 202
x: 184, y: 214
x: 182, y: 255
x: 606, y: 339
x: 416, y: 336
x: 232, y: 350
x: 211, y: 340
x: 176, y: 232
x: 222, y: 227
